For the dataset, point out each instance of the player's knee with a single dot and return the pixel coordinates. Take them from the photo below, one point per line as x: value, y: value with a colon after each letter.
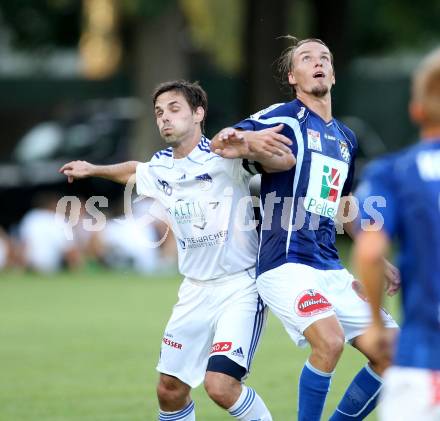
x: 221, y: 388
x: 171, y: 390
x: 331, y: 347
x: 223, y: 380
x: 379, y: 365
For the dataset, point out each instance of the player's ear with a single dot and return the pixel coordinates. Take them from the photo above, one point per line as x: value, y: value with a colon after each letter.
x: 292, y: 79
x: 199, y: 115
x: 416, y: 112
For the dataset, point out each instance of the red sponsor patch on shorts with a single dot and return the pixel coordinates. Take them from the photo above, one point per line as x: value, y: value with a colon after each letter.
x: 171, y: 343
x: 221, y: 347
x: 311, y: 302
x: 435, y: 381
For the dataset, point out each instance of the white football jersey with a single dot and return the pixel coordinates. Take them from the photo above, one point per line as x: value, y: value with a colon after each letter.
x: 209, y: 208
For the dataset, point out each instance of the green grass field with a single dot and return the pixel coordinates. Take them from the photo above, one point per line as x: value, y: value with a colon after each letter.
x: 84, y: 347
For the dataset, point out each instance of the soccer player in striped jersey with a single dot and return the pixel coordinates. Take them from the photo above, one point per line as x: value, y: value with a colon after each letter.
x: 299, y: 274
x: 217, y: 322
x: 408, y: 184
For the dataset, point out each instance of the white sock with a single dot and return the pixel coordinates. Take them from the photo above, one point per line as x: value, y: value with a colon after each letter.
x: 185, y: 414
x: 250, y: 407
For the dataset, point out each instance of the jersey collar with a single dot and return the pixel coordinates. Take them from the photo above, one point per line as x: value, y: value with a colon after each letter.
x: 327, y: 123
x: 199, y: 154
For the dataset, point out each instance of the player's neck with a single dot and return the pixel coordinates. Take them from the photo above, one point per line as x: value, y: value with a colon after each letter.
x: 186, y: 145
x: 321, y: 106
x: 430, y: 133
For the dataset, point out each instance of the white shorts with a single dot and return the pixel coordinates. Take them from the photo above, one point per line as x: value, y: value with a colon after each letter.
x: 410, y: 394
x: 218, y: 317
x: 299, y: 295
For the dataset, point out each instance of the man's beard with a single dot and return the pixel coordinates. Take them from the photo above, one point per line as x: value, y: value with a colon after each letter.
x: 170, y: 138
x: 319, y: 91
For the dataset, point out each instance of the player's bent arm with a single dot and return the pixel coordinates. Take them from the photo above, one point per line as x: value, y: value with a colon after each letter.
x: 119, y: 173
x: 269, y: 147
x: 277, y: 163
x: 370, y: 250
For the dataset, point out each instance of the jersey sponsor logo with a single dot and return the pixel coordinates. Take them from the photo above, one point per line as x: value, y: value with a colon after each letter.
x: 330, y: 183
x: 205, y: 181
x: 314, y: 140
x: 208, y: 240
x: 187, y: 212
x: 165, y: 187
x: 171, y: 343
x: 329, y: 136
x: 238, y: 352
x: 221, y: 347
x: 345, y: 152
x: 327, y: 178
x: 311, y: 302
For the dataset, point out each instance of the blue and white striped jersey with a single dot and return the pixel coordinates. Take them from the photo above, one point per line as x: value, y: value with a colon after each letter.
x: 209, y: 208
x: 299, y: 206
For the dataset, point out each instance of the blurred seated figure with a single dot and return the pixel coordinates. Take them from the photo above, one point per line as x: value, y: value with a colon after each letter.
x: 5, y: 250
x: 131, y: 240
x: 46, y: 248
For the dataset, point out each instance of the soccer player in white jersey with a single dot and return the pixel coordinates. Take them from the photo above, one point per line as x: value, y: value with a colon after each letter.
x: 299, y: 274
x: 216, y: 324
x: 409, y: 181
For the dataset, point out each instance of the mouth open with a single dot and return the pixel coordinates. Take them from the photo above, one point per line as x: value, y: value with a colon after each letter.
x: 318, y: 75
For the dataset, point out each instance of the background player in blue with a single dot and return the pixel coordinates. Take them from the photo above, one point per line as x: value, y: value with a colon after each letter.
x: 409, y: 182
x: 216, y: 324
x: 300, y: 276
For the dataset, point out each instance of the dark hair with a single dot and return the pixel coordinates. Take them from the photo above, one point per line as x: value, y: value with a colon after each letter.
x: 193, y: 93
x: 285, y: 62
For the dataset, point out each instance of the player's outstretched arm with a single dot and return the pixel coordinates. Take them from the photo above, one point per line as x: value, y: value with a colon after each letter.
x: 269, y: 147
x: 119, y: 173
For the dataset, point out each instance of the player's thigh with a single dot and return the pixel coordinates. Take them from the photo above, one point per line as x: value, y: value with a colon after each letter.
x: 351, y: 307
x: 188, y: 336
x: 293, y: 294
x: 240, y: 324
x: 410, y: 394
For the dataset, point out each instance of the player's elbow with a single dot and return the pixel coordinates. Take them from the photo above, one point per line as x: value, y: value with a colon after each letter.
x: 129, y: 175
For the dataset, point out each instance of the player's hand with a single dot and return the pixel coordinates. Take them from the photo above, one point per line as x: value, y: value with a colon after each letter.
x: 268, y: 142
x: 378, y: 343
x: 392, y: 279
x: 75, y: 170
x: 230, y: 143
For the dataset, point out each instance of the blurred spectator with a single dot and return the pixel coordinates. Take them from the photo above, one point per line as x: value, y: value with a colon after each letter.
x: 132, y: 240
x: 44, y: 243
x: 5, y: 250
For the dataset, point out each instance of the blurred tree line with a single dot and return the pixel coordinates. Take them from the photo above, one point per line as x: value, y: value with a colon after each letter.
x: 229, y: 45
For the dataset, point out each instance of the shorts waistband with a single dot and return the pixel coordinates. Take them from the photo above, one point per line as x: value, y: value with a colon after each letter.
x: 223, y: 279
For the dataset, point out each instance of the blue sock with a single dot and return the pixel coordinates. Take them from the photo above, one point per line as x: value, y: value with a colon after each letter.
x: 360, y: 398
x: 313, y: 388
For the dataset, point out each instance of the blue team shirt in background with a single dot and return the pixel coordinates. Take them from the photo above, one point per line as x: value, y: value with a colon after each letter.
x: 299, y: 206
x: 410, y: 183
